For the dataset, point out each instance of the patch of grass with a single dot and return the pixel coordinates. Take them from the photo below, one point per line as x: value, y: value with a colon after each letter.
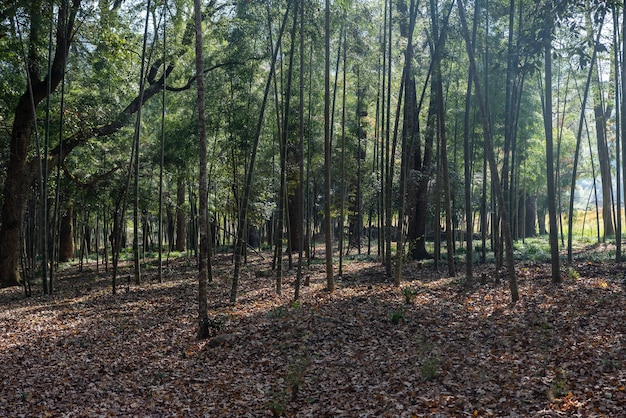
x: 295, y: 376
x: 278, y: 312
x: 363, y: 257
x: 398, y: 316
x: 428, y: 358
x: 409, y: 295
x: 559, y: 384
x: 535, y: 249
x: 572, y: 273
x: 430, y: 368
x: 610, y: 365
x: 280, y: 397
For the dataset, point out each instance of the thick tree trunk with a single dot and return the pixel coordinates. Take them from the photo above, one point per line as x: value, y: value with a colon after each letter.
x: 66, y: 235
x: 18, y: 174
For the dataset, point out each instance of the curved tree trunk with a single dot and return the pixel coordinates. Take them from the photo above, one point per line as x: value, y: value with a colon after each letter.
x: 18, y: 173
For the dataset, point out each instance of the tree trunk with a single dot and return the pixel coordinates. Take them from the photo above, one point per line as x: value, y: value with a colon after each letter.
x: 530, y: 218
x: 547, y: 119
x: 203, y: 264
x: 18, y: 174
x: 467, y: 170
x: 181, y: 218
x: 623, y: 104
x: 422, y: 172
x: 601, y: 113
x: 243, y: 208
x: 484, y: 115
x: 330, y: 282
x: 284, y: 146
x: 66, y: 235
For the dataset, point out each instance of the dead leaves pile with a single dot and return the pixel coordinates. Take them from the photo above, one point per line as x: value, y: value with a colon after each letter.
x: 427, y: 348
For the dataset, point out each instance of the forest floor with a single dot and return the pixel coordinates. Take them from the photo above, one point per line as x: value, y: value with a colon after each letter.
x: 427, y: 348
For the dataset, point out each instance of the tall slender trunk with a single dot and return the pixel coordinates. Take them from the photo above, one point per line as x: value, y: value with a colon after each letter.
x: 623, y: 96
x: 203, y: 262
x: 243, y: 208
x: 409, y: 129
x: 467, y: 156
x: 283, y: 156
x: 441, y: 133
x: 342, y: 174
x: 389, y: 159
x: 300, y: 200
x: 618, y: 138
x: 162, y: 148
x: 602, y: 112
x: 581, y: 123
x: 330, y: 282
x: 484, y: 116
x: 547, y: 120
x: 136, y: 211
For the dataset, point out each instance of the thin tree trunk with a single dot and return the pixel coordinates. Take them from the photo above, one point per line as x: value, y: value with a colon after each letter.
x: 618, y: 138
x: 581, y: 122
x: 469, y: 259
x: 409, y: 129
x: 342, y: 174
x: 243, y: 208
x: 301, y: 152
x: 162, y: 149
x: 389, y: 159
x: 491, y: 157
x: 136, y: 214
x: 283, y: 157
x: 330, y: 282
x: 441, y: 129
x: 204, y: 264
x: 547, y: 120
x: 622, y: 108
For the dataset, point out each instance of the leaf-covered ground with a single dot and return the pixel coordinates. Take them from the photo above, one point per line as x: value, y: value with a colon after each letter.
x: 427, y: 348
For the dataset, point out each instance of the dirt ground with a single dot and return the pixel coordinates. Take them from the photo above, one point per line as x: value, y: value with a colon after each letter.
x: 369, y: 349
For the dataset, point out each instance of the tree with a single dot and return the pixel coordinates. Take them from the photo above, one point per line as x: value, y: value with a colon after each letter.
x: 244, y: 206
x: 547, y: 118
x: 497, y: 185
x: 203, y: 264
x: 19, y: 174
x: 330, y: 282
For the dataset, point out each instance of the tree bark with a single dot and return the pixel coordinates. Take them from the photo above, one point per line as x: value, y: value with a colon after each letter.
x: 484, y: 116
x: 203, y: 264
x: 181, y: 218
x: 330, y: 282
x: 547, y: 119
x: 19, y: 174
x: 66, y: 235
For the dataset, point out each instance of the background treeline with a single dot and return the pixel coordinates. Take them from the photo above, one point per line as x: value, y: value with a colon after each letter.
x: 393, y: 129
